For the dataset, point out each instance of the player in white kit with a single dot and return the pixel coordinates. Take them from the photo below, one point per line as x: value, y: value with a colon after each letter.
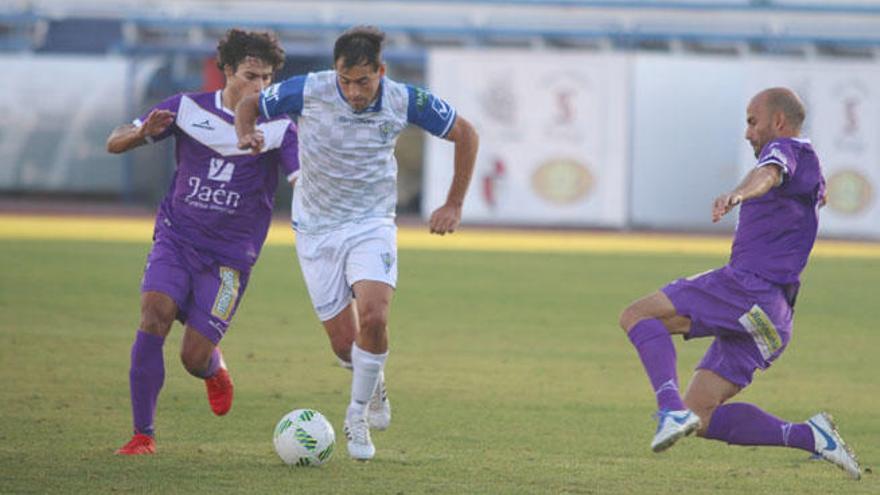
x: 344, y: 201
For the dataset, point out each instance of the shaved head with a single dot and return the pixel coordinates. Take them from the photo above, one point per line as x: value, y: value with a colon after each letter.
x: 786, y: 101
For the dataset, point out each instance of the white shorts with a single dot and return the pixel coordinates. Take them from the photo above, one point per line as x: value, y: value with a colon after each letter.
x: 332, y: 262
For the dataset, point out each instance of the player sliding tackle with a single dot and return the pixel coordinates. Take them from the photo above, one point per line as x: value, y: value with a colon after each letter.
x: 344, y: 201
x: 748, y: 305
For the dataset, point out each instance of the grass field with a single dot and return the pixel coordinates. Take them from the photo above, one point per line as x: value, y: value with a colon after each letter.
x: 507, y: 374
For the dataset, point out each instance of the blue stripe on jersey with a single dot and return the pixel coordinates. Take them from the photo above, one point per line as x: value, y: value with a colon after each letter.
x: 282, y: 98
x: 429, y: 112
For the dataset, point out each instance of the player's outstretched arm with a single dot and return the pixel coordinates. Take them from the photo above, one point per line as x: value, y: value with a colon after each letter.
x: 446, y: 218
x: 128, y: 136
x: 246, y: 113
x: 755, y: 184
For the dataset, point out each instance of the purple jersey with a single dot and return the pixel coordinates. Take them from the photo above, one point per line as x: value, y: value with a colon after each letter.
x: 220, y: 199
x: 776, y: 231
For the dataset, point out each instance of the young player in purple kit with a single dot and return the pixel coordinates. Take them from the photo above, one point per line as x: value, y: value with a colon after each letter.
x: 210, y: 226
x: 748, y: 305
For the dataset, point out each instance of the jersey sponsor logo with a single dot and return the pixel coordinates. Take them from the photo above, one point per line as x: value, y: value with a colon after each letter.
x: 421, y: 99
x: 762, y: 330
x: 342, y: 119
x: 206, y: 197
x: 227, y: 293
x: 220, y: 170
x: 205, y: 124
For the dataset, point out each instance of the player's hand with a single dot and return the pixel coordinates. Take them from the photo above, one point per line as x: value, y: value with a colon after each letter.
x: 156, y: 123
x: 253, y: 141
x: 445, y: 219
x: 723, y: 204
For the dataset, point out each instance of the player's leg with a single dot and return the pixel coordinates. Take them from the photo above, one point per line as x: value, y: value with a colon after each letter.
x: 164, y: 288
x: 368, y: 356
x: 371, y: 269
x: 147, y: 373
x: 341, y: 330
x: 217, y: 291
x: 650, y: 323
x: 746, y: 424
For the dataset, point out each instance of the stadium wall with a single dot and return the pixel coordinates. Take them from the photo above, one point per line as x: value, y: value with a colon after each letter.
x: 655, y: 136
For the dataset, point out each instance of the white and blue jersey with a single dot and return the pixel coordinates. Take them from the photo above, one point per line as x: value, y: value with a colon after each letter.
x: 348, y: 172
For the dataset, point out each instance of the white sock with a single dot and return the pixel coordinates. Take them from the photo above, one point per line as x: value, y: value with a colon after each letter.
x: 367, y: 367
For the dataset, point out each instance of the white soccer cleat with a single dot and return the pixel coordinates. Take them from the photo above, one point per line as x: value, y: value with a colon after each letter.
x: 831, y: 446
x: 673, y: 425
x: 357, y: 431
x: 379, y: 408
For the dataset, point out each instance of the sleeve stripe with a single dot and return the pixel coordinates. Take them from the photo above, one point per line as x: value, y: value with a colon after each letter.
x: 449, y: 125
x: 263, y: 109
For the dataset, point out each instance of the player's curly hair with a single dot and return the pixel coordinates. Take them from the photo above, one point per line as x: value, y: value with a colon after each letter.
x: 360, y: 45
x: 238, y: 45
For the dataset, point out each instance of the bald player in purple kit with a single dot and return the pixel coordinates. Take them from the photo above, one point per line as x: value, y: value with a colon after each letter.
x: 748, y: 305
x: 210, y: 226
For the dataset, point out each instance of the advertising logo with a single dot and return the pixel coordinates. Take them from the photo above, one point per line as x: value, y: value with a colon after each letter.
x: 562, y: 181
x: 849, y: 192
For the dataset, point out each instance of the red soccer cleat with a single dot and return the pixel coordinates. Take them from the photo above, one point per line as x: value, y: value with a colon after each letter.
x: 138, y: 445
x: 220, y: 392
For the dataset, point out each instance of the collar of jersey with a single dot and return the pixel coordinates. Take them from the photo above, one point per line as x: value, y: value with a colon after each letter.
x: 218, y: 102
x: 375, y: 107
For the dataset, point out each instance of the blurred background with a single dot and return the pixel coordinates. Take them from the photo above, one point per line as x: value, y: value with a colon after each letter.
x: 592, y: 114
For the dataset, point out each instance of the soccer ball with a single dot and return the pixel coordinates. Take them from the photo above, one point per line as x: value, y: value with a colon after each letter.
x: 304, y: 437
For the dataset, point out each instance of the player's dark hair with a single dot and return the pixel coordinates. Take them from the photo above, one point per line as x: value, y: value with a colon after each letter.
x: 360, y: 45
x: 786, y: 101
x: 238, y: 45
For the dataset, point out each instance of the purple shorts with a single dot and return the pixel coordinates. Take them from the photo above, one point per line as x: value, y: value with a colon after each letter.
x: 749, y: 317
x: 206, y: 291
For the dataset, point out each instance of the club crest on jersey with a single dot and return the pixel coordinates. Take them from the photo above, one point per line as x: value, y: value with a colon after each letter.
x: 388, y: 261
x: 386, y: 130
x: 220, y: 170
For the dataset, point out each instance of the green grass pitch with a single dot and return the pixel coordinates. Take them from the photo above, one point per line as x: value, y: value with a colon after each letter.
x: 507, y: 374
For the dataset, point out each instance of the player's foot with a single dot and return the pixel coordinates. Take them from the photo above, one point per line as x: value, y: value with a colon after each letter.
x: 673, y: 425
x: 139, y: 444
x: 220, y: 390
x: 379, y: 408
x: 831, y: 446
x: 357, y: 431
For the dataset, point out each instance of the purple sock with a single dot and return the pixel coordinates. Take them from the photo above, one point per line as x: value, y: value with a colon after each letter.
x: 746, y: 424
x: 213, y: 365
x: 657, y: 352
x: 146, y: 376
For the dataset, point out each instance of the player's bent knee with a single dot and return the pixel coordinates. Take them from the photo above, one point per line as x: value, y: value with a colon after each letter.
x: 156, y: 321
x: 342, y: 347
x: 373, y: 321
x: 195, y: 360
x: 629, y: 317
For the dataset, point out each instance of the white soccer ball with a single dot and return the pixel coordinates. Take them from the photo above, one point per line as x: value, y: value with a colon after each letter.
x: 304, y: 437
